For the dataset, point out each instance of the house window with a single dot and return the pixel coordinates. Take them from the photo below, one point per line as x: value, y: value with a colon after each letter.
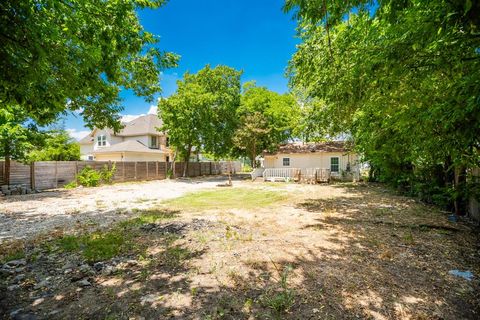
x: 153, y: 142
x: 90, y: 158
x: 167, y: 142
x: 286, y: 162
x: 102, y: 140
x: 334, y: 164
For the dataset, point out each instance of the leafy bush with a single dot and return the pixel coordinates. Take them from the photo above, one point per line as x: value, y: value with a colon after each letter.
x: 88, y: 177
x: 247, y: 168
x: 71, y: 185
x: 107, y: 174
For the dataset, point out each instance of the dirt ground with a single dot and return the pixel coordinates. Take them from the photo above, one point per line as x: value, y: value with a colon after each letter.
x: 342, y: 251
x: 26, y: 216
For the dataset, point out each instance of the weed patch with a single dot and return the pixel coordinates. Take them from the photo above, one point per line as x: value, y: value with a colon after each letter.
x: 281, y: 297
x: 104, y: 245
x: 12, y: 251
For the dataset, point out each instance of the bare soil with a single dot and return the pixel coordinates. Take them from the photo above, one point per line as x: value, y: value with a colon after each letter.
x: 27, y: 216
x: 342, y: 251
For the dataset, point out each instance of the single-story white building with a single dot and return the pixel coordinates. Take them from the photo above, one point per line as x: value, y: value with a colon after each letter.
x: 334, y: 156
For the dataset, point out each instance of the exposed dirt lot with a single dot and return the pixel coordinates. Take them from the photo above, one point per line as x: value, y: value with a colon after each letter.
x: 30, y: 215
x: 254, y: 251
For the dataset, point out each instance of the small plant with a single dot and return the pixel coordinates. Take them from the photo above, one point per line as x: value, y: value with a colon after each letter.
x: 408, y: 238
x: 247, y: 168
x: 175, y: 256
x: 88, y: 177
x: 107, y: 174
x: 71, y: 185
x: 169, y: 174
x: 14, y: 252
x: 280, y: 299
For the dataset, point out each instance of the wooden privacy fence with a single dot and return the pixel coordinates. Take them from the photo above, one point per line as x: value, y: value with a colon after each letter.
x: 42, y: 175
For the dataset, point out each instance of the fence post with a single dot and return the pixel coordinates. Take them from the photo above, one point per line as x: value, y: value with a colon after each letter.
x: 146, y: 164
x: 56, y: 174
x: 210, y: 167
x: 32, y: 175
x: 135, y: 170
x: 123, y: 171
x: 156, y: 168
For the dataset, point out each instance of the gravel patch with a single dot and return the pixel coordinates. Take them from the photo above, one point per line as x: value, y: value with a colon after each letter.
x: 25, y: 216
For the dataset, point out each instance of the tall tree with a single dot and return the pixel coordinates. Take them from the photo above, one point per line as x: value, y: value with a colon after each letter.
x: 202, y: 112
x: 57, y: 146
x: 16, y: 137
x: 403, y: 78
x: 58, y: 56
x: 266, y: 119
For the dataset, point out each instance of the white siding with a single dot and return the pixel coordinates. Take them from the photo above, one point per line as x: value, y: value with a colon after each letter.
x: 310, y: 160
x: 86, y: 151
x: 111, y: 139
x: 134, y: 156
x: 130, y: 156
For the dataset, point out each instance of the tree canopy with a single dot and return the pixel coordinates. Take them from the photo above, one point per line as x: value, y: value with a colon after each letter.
x: 402, y: 77
x: 266, y: 120
x: 58, y: 56
x: 202, y: 112
x: 57, y: 145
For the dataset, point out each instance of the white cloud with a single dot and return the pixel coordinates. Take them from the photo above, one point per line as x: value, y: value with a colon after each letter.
x: 130, y: 117
x: 77, y: 134
x: 153, y: 109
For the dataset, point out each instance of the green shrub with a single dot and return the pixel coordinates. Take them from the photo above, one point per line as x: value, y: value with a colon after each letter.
x: 247, y: 168
x: 88, y: 177
x: 107, y: 174
x: 71, y: 185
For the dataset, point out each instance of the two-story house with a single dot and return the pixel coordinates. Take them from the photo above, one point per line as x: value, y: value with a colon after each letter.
x: 139, y: 140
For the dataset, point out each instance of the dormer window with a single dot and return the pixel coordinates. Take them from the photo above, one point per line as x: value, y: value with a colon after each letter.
x: 154, y: 142
x: 102, y: 140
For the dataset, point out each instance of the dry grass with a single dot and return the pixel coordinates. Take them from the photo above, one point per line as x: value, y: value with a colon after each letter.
x: 319, y: 252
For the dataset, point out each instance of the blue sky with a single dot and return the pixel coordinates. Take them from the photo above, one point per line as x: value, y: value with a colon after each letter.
x: 252, y: 35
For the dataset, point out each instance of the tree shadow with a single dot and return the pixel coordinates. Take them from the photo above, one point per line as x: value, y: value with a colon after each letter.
x: 364, y: 256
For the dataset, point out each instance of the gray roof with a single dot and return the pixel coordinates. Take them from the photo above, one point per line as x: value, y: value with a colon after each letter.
x: 143, y: 125
x: 128, y: 146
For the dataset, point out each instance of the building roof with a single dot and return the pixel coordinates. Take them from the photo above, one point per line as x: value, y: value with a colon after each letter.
x: 128, y: 146
x: 329, y: 146
x: 143, y: 125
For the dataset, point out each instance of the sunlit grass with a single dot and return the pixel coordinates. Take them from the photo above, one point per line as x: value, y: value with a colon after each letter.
x: 228, y: 198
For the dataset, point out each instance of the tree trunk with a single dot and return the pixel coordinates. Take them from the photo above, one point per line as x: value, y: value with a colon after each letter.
x: 254, y: 154
x: 252, y: 160
x: 7, y: 169
x: 173, y: 163
x: 187, y: 160
x: 460, y: 182
x: 449, y: 180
